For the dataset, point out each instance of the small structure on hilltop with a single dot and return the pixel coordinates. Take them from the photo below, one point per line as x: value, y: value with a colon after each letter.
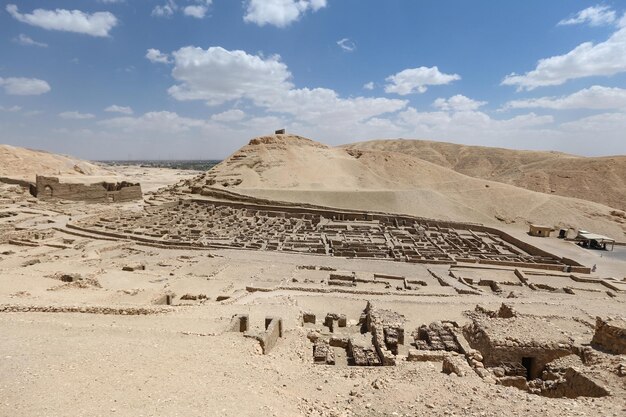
x: 280, y: 132
x: 101, y: 192
x: 594, y: 241
x: 540, y: 230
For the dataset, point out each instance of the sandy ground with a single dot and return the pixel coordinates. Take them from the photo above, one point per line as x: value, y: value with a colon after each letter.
x: 182, y: 361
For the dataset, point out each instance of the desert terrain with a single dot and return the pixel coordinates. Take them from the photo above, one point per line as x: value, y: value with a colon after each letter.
x: 298, y: 279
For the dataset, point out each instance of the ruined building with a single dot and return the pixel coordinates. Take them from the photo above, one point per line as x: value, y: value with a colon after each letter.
x: 101, y: 192
x: 521, y: 345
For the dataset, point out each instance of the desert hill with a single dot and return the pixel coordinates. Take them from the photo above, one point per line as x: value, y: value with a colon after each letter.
x: 24, y: 164
x: 296, y: 169
x: 601, y: 180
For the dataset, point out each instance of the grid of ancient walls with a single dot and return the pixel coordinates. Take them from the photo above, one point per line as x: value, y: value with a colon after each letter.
x: 235, y: 225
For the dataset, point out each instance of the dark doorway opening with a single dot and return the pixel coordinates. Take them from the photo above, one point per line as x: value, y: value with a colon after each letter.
x: 529, y: 364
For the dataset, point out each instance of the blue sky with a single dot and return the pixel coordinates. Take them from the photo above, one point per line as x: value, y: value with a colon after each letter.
x: 195, y: 79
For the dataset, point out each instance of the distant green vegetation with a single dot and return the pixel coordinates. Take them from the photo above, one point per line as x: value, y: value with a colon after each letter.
x: 194, y: 165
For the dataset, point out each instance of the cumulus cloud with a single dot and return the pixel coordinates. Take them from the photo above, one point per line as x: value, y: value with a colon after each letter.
x: 586, y: 60
x: 458, y: 103
x: 369, y: 86
x: 27, y: 41
x: 197, y: 11
x: 74, y: 115
x: 165, y: 10
x: 594, y: 97
x: 156, y: 56
x: 217, y: 75
x: 346, y: 44
x: 233, y: 115
x: 593, y: 16
x: 119, y: 109
x: 279, y: 13
x: 417, y: 80
x: 97, y: 24
x: 20, y: 86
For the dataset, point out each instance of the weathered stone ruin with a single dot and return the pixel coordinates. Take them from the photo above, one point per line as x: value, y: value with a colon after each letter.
x: 610, y: 336
x: 529, y: 353
x: 267, y: 339
x: 387, y: 329
x: 437, y: 336
x: 374, y: 342
x: 102, y: 192
x: 315, y: 230
x: 526, y: 341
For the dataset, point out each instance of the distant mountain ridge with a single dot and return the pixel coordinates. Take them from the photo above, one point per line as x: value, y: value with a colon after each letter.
x: 597, y: 179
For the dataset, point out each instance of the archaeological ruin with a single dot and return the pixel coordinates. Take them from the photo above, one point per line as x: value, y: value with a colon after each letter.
x: 101, y: 192
x: 202, y: 223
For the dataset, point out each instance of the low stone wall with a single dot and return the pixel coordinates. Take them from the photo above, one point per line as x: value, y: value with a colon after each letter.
x: 123, y: 311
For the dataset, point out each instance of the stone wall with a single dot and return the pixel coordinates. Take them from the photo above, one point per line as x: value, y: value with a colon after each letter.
x: 610, y: 335
x: 101, y: 192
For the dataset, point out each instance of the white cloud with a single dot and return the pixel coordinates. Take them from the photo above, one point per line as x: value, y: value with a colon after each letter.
x: 279, y: 13
x: 369, y: 86
x: 197, y: 11
x: 156, y: 56
x: 74, y: 115
x: 594, y: 16
x: 594, y: 97
x: 346, y: 44
x: 233, y: 115
x: 417, y: 80
x: 119, y: 109
x: 476, y: 127
x: 458, y: 103
x: 586, y: 60
x: 95, y: 24
x: 20, y: 86
x: 613, y: 124
x: 165, y: 10
x: 216, y: 76
x: 12, y: 109
x: 158, y: 121
x: 323, y: 105
x: 27, y: 41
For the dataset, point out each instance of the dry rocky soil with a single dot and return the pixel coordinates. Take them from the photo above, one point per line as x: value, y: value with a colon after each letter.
x: 104, y: 318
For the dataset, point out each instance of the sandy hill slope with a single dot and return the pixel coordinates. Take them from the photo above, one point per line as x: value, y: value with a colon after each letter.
x: 25, y: 164
x: 296, y: 169
x: 602, y: 180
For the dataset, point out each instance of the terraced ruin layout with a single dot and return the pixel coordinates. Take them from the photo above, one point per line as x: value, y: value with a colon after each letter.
x: 213, y: 224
